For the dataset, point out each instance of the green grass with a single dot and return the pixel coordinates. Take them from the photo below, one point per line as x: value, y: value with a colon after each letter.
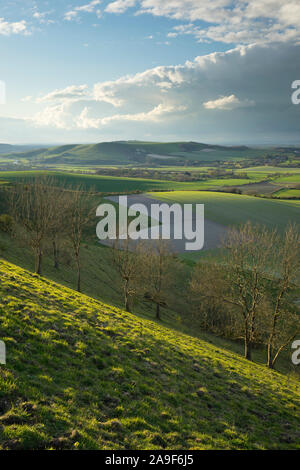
x: 109, y: 184
x: 289, y: 179
x: 83, y: 375
x: 270, y: 169
x: 221, y: 155
x: 234, y: 209
x: 135, y: 151
x: 287, y: 193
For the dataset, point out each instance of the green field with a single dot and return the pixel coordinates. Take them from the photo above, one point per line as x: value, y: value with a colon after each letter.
x: 111, y: 184
x: 234, y: 209
x: 270, y: 169
x: 286, y: 193
x: 80, y: 375
x: 289, y: 179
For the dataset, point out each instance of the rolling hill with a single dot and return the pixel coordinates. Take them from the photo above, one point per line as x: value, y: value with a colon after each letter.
x: 16, y: 149
x: 136, y: 152
x: 84, y: 375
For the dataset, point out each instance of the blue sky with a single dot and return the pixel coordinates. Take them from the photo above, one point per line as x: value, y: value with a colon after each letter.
x: 88, y: 71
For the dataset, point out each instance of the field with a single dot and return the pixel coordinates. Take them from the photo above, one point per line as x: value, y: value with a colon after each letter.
x: 289, y: 179
x: 83, y: 374
x: 287, y: 193
x: 271, y: 169
x: 80, y: 376
x: 109, y: 184
x: 234, y: 209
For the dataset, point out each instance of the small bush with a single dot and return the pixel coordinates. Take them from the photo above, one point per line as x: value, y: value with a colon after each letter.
x: 6, y: 223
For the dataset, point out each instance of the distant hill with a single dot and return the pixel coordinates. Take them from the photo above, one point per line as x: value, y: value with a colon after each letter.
x: 81, y: 374
x: 9, y: 149
x: 135, y: 152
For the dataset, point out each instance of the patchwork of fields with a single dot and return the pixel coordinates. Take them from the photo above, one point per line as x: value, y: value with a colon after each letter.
x: 110, y: 184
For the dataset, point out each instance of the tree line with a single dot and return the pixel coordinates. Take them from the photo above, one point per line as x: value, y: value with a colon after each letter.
x: 47, y: 217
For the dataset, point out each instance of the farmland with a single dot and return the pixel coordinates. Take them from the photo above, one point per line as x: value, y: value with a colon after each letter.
x: 108, y: 184
x: 97, y: 390
x: 234, y: 209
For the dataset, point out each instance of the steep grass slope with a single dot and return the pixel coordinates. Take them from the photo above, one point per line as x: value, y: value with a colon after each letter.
x: 81, y: 374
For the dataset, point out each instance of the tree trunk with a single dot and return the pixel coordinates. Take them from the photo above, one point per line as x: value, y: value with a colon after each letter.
x: 127, y: 307
x: 248, y: 349
x: 270, y: 362
x: 157, y: 312
x: 55, y: 255
x: 78, y: 276
x: 38, y: 268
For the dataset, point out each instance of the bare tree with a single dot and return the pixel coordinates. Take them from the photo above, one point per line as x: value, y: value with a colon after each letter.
x: 158, y: 274
x: 60, y: 199
x: 282, y: 318
x: 248, y: 254
x: 79, y: 213
x: 239, y: 280
x: 126, y: 257
x: 33, y: 211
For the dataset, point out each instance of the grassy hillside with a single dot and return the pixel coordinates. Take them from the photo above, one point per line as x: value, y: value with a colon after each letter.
x: 81, y: 374
x: 138, y: 152
x: 10, y: 149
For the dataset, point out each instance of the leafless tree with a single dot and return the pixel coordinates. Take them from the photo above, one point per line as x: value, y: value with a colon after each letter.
x: 33, y: 211
x: 282, y: 318
x: 239, y: 280
x: 126, y: 258
x: 60, y: 199
x: 158, y: 274
x: 79, y: 214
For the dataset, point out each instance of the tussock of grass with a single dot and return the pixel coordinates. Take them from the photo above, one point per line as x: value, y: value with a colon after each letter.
x: 82, y: 374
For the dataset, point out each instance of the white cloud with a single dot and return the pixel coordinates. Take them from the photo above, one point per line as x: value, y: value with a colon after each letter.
x: 229, y: 21
x: 57, y: 116
x: 41, y: 17
x: 87, y: 8
x: 252, y: 82
x: 227, y: 103
x: 18, y: 27
x: 69, y: 93
x: 120, y: 6
x: 26, y: 99
x: 154, y: 115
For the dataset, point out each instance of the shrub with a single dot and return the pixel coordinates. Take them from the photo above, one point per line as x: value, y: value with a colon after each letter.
x: 6, y: 223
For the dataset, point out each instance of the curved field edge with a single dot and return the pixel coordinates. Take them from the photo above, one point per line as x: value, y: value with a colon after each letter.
x: 82, y: 374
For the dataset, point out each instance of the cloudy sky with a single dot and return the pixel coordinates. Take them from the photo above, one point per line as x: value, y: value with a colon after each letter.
x: 217, y: 71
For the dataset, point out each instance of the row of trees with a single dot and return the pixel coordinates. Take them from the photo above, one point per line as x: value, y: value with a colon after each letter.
x: 47, y: 215
x: 148, y: 271
x: 254, y: 288
x: 249, y: 294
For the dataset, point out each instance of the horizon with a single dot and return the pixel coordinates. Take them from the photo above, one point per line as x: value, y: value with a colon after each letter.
x: 219, y: 144
x: 100, y: 71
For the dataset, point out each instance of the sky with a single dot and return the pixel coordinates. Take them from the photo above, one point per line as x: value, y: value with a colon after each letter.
x: 215, y: 71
